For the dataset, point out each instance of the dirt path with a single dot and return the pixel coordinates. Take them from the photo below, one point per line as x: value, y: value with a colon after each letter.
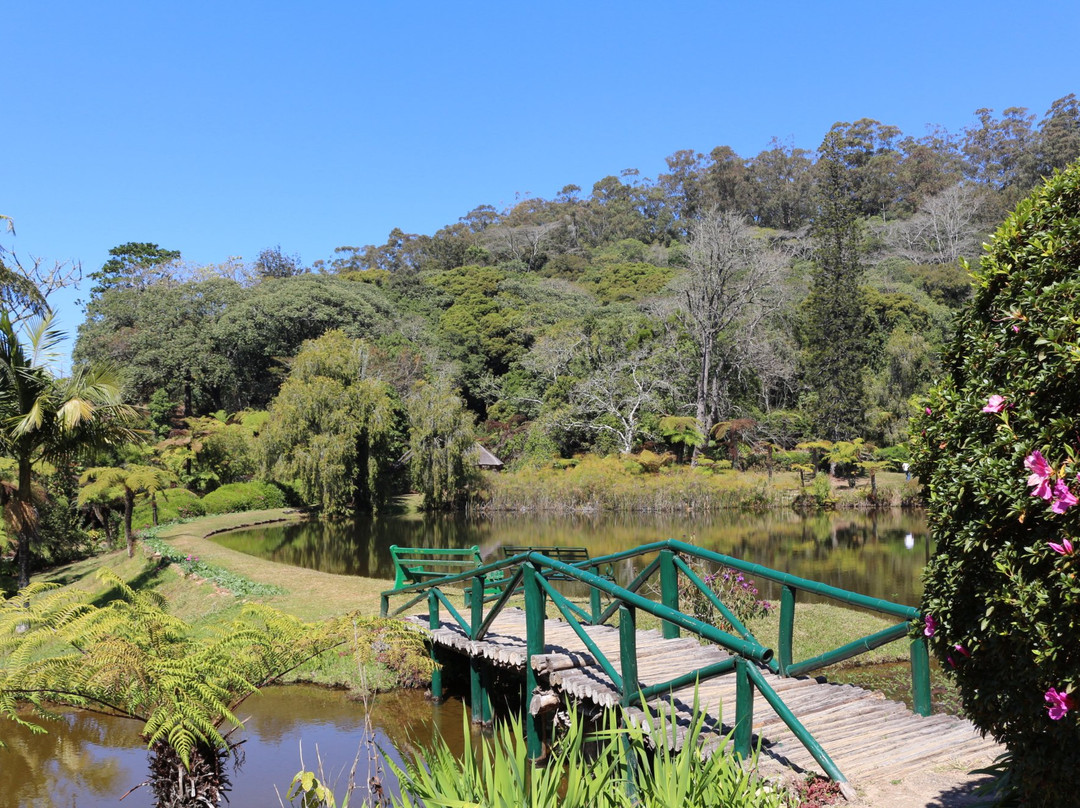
x: 945, y: 787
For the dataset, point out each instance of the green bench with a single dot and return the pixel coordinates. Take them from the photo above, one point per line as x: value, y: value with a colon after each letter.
x: 419, y: 565
x: 567, y: 555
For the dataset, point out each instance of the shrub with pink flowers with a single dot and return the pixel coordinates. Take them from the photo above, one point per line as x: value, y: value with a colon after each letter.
x: 998, y: 451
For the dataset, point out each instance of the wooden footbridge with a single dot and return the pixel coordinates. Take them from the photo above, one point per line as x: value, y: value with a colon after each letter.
x: 800, y: 723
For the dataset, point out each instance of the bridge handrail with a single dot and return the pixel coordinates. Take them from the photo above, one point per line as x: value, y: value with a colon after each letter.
x: 746, y: 648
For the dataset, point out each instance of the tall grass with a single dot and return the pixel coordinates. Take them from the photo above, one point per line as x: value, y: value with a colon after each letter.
x: 615, y: 767
x: 605, y: 484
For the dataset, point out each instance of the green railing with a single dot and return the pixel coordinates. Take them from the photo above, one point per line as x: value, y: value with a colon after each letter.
x: 530, y: 572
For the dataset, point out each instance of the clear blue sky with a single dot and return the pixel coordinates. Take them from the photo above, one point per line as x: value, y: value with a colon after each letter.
x: 221, y: 128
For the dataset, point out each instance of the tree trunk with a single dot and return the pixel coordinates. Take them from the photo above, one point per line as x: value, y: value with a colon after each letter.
x: 129, y: 507
x: 153, y: 508
x: 702, y: 394
x: 28, y: 520
x: 205, y: 783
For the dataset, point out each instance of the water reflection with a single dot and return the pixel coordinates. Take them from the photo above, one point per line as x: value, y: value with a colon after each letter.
x: 91, y: 761
x: 877, y: 554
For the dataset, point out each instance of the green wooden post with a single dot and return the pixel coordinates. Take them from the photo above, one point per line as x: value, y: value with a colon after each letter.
x: 920, y: 676
x: 744, y: 708
x: 628, y: 660
x: 594, y: 604
x: 669, y: 590
x: 787, y: 626
x: 480, y: 698
x: 433, y: 623
x: 535, y: 605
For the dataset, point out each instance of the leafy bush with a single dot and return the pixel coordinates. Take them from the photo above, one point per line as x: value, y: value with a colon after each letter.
x: 997, y: 449
x: 236, y: 497
x: 173, y: 505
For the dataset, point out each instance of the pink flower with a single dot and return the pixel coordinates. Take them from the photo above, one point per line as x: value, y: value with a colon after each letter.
x: 929, y: 411
x: 930, y: 625
x: 1016, y: 329
x: 994, y: 404
x: 1063, y: 497
x: 1037, y: 465
x: 1042, y: 489
x: 1065, y: 548
x: 963, y: 654
x: 1058, y: 702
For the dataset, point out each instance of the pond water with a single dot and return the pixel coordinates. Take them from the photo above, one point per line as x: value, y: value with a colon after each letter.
x: 90, y: 761
x: 880, y: 554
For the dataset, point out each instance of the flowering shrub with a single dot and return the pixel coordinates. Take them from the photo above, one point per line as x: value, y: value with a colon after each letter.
x: 735, y: 590
x: 998, y: 450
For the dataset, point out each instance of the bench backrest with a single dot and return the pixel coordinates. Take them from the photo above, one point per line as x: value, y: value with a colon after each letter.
x: 568, y: 555
x: 414, y: 565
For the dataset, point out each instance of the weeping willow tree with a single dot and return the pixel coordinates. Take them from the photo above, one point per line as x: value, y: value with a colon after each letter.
x: 334, y: 428
x: 442, y: 445
x: 132, y: 659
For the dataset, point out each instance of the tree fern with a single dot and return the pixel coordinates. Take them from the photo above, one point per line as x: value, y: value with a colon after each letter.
x: 131, y: 658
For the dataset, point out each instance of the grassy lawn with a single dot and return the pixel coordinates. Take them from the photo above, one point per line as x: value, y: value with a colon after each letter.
x: 309, y: 595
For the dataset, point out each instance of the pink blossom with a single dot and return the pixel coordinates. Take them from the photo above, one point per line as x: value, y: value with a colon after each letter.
x: 1063, y: 497
x: 960, y: 649
x: 1042, y: 490
x: 929, y: 411
x: 1016, y: 329
x: 1037, y: 465
x: 1058, y: 702
x: 930, y: 625
x: 994, y: 404
x: 1065, y: 548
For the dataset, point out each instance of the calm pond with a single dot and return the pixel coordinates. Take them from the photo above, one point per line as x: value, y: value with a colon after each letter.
x: 90, y: 761
x: 876, y: 554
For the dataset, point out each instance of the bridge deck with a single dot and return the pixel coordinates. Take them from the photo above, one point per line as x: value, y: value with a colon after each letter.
x: 871, y: 739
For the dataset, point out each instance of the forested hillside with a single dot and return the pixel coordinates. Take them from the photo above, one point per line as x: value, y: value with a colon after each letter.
x: 799, y: 293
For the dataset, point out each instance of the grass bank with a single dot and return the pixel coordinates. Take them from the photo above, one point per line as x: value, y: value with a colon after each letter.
x: 612, y: 484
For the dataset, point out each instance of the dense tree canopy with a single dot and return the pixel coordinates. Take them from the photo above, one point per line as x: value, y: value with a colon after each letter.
x: 862, y: 238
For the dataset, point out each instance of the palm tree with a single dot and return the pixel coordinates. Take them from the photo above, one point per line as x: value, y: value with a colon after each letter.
x: 110, y: 483
x: 45, y: 418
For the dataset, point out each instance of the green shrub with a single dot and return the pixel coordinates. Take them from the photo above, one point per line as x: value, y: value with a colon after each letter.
x: 1002, y: 592
x: 173, y: 505
x: 236, y: 497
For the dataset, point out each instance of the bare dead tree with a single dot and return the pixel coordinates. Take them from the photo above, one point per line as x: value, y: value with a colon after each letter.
x: 944, y: 229
x: 730, y: 287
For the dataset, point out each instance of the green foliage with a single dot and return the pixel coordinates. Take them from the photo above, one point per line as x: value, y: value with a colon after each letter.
x: 161, y: 409
x: 131, y: 658
x: 251, y: 496
x: 628, y: 281
x: 45, y: 419
x: 604, y: 483
x: 836, y: 327
x: 442, y: 445
x: 172, y: 505
x: 334, y: 427
x: 1002, y: 588
x: 577, y: 776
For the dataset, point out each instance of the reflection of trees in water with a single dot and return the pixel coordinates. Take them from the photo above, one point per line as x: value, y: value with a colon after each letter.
x: 860, y: 551
x: 81, y: 755
x: 91, y: 760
